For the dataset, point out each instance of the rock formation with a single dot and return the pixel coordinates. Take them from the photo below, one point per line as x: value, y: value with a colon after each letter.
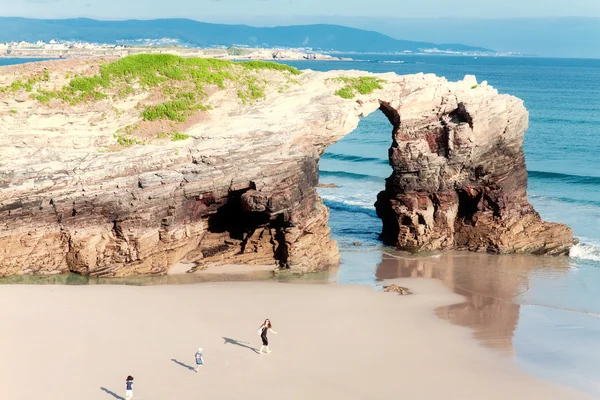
x: 241, y: 188
x: 459, y: 179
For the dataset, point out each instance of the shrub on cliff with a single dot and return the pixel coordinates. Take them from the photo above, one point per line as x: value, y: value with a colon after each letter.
x: 362, y: 85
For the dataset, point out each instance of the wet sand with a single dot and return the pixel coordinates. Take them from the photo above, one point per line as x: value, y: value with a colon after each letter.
x: 334, y: 342
x: 540, y: 311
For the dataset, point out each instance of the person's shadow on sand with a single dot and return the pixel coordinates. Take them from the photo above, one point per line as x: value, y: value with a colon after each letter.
x: 238, y: 343
x: 113, y: 394
x: 183, y: 365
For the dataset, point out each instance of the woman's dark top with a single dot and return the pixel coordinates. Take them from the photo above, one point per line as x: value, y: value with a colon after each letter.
x: 263, y: 336
x: 129, y: 385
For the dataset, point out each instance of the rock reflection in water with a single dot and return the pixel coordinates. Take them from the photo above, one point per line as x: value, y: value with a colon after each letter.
x: 489, y: 283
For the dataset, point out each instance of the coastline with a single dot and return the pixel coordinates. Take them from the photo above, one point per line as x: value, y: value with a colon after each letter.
x: 335, y: 341
x: 258, y: 54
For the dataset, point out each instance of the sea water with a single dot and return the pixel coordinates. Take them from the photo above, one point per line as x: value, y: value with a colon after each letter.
x: 556, y: 305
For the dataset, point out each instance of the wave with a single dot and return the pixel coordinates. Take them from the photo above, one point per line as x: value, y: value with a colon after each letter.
x: 391, y: 62
x: 570, y: 310
x: 367, y: 202
x: 565, y: 178
x: 348, y: 157
x: 568, y: 200
x: 351, y: 175
x: 585, y: 251
x: 566, y: 121
x: 349, y: 207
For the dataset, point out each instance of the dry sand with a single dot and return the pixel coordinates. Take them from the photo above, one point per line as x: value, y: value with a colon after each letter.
x: 334, y: 342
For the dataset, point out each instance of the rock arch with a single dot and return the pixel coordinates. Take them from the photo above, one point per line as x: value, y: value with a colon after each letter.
x: 459, y: 181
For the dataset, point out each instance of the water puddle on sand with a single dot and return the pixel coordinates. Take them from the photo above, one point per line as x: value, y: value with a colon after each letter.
x: 174, y: 279
x: 489, y: 284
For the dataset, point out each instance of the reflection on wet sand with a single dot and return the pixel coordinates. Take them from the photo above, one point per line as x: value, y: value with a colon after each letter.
x: 489, y: 283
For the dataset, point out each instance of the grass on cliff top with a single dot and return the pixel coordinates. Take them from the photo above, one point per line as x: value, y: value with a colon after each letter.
x: 362, y: 85
x: 26, y: 85
x: 174, y: 136
x: 182, y: 82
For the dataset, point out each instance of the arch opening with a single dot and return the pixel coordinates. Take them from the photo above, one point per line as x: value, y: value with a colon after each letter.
x: 353, y: 173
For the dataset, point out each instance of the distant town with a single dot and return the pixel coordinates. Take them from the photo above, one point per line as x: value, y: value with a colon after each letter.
x: 65, y: 49
x: 78, y: 49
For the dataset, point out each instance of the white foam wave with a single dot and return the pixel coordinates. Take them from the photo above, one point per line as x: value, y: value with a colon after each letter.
x: 585, y: 251
x: 364, y: 203
x: 393, y: 62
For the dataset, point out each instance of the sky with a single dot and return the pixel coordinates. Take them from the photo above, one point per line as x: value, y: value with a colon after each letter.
x: 245, y: 10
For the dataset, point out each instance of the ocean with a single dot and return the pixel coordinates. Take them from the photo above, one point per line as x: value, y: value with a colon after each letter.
x: 542, y: 311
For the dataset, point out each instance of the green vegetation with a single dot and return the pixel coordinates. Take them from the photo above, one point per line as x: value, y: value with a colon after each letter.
x: 258, y: 65
x: 177, y: 136
x: 13, y: 111
x: 236, y: 51
x: 175, y: 110
x: 182, y: 83
x: 26, y: 85
x: 125, y: 136
x: 174, y: 136
x: 362, y: 85
x: 474, y: 86
x: 127, y: 140
x: 178, y: 86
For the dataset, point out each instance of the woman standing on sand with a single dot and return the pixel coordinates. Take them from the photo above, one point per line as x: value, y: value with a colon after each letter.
x: 129, y: 387
x: 262, y: 331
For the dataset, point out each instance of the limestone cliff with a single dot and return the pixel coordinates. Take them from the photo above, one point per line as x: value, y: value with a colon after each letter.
x: 101, y: 184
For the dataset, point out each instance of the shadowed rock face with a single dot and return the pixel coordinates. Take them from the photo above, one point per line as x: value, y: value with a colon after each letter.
x: 241, y: 189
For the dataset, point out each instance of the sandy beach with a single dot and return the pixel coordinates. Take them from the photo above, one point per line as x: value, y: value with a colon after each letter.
x: 334, y: 342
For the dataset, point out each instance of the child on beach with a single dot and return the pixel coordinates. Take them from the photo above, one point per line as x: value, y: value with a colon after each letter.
x: 262, y: 331
x: 129, y: 387
x: 199, y: 359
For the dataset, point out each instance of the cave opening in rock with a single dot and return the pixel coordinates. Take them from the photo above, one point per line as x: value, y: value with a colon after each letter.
x: 240, y: 227
x: 231, y: 218
x: 468, y: 201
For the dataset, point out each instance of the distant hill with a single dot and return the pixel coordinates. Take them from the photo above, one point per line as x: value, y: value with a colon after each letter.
x: 577, y: 37
x: 321, y: 37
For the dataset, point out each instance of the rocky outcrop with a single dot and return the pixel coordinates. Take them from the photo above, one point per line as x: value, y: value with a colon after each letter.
x: 459, y: 179
x: 242, y: 187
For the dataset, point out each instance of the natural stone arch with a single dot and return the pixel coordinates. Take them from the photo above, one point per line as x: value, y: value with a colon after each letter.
x: 459, y: 180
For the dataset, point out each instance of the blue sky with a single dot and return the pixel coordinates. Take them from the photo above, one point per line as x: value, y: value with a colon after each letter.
x: 261, y: 10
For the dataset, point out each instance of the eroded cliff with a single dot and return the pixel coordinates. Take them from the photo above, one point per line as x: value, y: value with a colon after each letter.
x: 111, y: 184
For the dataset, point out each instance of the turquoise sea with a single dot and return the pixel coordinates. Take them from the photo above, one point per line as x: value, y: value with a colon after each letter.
x: 543, y: 312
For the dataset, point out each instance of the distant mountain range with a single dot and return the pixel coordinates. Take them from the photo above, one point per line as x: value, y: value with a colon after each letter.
x: 577, y: 37
x: 319, y: 37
